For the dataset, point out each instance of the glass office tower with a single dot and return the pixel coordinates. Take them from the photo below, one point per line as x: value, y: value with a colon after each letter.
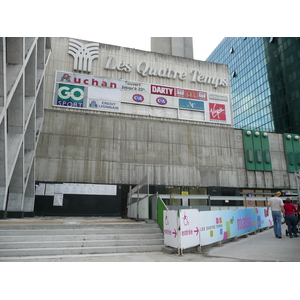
x: 265, y: 81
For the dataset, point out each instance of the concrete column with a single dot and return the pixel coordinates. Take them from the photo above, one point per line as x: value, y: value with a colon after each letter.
x: 177, y: 46
x: 16, y: 189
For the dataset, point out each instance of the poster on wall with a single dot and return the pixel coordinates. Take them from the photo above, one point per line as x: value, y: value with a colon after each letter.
x: 191, y: 94
x: 70, y: 95
x: 104, y: 105
x: 191, y: 104
x: 217, y: 112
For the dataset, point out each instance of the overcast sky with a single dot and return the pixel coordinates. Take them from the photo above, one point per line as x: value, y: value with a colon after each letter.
x: 132, y: 23
x: 202, y: 46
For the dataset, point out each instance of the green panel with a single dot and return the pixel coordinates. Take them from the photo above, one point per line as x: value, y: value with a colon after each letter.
x: 266, y: 151
x: 258, y: 153
x: 249, y: 151
x: 296, y: 146
x: 160, y: 214
x: 289, y: 151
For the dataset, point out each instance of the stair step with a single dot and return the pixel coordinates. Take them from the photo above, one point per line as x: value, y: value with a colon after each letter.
x: 78, y: 231
x: 69, y: 244
x: 78, y: 250
x: 77, y: 237
x: 74, y: 238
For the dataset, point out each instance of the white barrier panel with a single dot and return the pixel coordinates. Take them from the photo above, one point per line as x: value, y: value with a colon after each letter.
x: 189, y: 228
x: 144, y: 208
x: 171, y: 228
x: 181, y: 228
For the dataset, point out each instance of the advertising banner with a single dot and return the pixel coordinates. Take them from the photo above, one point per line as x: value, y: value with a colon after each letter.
x: 70, y: 95
x: 81, y: 79
x: 191, y: 104
x: 162, y: 90
x: 136, y: 87
x: 189, y: 228
x: 217, y: 112
x: 163, y: 101
x: 218, y: 97
x: 216, y: 226
x: 104, y: 105
x: 104, y: 93
x: 191, y: 94
x: 134, y: 97
x: 90, y: 92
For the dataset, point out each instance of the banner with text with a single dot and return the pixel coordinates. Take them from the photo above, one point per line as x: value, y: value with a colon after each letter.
x: 106, y: 94
x: 188, y: 228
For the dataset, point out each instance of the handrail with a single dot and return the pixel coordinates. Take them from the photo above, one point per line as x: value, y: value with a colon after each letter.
x: 164, y: 204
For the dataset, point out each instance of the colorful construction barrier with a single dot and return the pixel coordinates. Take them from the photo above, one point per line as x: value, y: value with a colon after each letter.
x: 186, y: 228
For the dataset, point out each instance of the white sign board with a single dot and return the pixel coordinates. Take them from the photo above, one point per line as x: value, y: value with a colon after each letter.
x: 171, y: 228
x: 58, y: 200
x: 189, y: 228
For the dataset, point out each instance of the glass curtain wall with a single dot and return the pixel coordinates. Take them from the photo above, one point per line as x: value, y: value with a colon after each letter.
x: 250, y: 90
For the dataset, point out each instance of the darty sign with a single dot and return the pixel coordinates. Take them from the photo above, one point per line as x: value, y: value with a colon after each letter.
x: 145, y: 69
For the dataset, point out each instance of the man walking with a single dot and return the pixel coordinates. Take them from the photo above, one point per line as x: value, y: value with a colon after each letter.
x: 276, y: 205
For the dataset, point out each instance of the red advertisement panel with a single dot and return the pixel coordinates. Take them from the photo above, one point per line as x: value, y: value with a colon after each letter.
x: 217, y: 112
x: 162, y: 90
x: 191, y: 94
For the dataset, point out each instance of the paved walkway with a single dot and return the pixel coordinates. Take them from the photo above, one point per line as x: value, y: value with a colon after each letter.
x: 261, y: 247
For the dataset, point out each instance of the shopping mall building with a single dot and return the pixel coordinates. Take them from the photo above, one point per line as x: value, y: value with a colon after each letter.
x: 115, y: 115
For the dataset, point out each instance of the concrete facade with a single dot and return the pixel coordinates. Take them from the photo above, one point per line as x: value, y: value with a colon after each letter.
x: 105, y: 147
x: 22, y: 70
x: 175, y: 147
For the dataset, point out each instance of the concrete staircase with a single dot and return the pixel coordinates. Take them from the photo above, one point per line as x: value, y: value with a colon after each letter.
x: 75, y: 238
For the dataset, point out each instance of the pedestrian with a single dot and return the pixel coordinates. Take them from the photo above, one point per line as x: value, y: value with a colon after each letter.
x: 276, y: 205
x: 290, y: 212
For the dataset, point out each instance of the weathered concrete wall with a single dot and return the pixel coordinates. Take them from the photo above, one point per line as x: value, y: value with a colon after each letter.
x: 108, y: 149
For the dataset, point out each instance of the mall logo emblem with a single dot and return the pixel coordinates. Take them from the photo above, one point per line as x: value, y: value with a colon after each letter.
x: 83, y: 55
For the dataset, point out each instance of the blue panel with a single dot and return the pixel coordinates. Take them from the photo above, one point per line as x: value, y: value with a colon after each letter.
x: 191, y: 104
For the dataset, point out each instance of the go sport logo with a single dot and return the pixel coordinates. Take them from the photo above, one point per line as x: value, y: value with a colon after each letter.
x: 70, y: 95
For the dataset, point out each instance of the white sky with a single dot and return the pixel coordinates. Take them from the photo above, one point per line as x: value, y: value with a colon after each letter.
x: 132, y: 23
x: 202, y: 46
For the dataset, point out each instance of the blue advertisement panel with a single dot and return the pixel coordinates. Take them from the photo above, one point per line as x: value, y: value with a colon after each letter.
x: 216, y: 226
x: 191, y: 104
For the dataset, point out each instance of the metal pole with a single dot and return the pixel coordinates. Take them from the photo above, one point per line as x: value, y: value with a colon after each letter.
x: 297, y: 181
x: 137, y: 205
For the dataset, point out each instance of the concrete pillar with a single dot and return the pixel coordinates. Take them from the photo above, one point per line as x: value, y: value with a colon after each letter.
x: 177, y: 46
x: 16, y: 189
